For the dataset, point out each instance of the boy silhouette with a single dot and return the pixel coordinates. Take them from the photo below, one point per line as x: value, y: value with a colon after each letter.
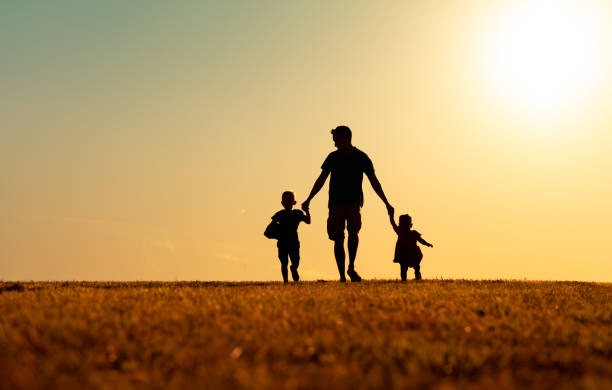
x: 288, y: 243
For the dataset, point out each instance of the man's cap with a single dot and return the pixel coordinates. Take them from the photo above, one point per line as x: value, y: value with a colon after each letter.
x: 342, y: 131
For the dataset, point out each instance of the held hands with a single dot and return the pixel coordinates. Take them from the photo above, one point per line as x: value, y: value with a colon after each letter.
x: 390, y: 210
x: 306, y: 205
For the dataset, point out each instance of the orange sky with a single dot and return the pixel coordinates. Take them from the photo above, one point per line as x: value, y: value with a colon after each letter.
x: 154, y: 142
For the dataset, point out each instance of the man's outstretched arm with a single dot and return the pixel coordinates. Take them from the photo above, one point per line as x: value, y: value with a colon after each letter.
x: 318, y: 184
x: 379, y: 191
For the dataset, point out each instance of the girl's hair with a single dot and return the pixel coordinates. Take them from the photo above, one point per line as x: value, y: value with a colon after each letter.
x: 405, y: 219
x: 288, y: 196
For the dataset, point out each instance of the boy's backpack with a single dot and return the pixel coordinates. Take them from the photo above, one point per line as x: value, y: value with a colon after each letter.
x: 272, y: 230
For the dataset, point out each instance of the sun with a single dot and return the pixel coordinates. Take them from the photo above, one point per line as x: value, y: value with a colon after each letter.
x: 544, y: 56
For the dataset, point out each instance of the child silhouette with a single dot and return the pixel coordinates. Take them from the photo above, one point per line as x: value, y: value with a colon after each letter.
x: 407, y: 252
x: 288, y: 242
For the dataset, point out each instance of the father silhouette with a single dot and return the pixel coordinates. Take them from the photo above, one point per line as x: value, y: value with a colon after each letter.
x: 347, y: 166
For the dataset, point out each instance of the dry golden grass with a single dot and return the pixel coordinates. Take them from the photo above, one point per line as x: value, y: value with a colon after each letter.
x: 376, y: 334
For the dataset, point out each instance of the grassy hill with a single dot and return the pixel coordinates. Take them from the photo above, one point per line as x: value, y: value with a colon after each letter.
x: 438, y: 334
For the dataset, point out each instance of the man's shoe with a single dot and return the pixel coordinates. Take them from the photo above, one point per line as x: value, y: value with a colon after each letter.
x: 342, y: 279
x: 353, y: 275
x: 294, y: 274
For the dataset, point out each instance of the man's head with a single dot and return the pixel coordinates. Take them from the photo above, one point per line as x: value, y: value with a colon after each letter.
x: 288, y: 200
x: 342, y: 137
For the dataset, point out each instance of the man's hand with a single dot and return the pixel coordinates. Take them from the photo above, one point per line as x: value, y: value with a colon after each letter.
x: 306, y: 205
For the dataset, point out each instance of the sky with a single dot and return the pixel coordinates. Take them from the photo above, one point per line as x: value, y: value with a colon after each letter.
x: 152, y: 140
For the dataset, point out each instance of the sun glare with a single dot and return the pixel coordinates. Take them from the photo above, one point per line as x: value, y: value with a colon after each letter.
x: 544, y: 56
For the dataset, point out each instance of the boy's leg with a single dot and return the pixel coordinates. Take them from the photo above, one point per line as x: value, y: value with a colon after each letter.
x: 417, y: 272
x: 283, y: 256
x: 404, y: 271
x: 294, y: 255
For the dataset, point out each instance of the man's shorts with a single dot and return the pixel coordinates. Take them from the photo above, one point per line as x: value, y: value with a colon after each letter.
x: 341, y: 215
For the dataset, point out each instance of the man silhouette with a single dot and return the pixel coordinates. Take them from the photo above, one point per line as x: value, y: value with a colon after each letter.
x: 347, y: 166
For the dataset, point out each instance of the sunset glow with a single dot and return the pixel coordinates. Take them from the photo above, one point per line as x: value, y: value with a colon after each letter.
x: 545, y: 56
x: 154, y: 141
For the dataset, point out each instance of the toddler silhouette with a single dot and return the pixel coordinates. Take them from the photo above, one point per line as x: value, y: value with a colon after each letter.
x: 407, y: 252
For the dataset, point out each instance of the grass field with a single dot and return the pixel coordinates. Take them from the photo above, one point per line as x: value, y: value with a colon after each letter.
x: 317, y: 335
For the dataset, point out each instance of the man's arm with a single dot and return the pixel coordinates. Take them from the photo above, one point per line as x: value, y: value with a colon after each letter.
x: 318, y: 184
x: 379, y: 191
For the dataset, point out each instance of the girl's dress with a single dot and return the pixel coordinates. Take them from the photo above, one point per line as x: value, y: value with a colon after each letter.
x: 406, y: 249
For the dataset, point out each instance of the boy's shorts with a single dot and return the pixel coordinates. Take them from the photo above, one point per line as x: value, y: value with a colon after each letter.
x: 289, y: 251
x: 342, y: 214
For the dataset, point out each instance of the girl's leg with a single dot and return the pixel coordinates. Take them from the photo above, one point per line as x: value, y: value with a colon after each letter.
x: 403, y: 271
x: 417, y: 272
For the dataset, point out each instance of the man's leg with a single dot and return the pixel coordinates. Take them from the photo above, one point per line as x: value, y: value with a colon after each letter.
x: 353, y: 225
x: 335, y: 231
x: 340, y: 256
x: 353, y: 243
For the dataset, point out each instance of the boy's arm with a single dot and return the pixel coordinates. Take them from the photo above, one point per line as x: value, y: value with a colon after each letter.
x: 424, y: 242
x: 307, y: 216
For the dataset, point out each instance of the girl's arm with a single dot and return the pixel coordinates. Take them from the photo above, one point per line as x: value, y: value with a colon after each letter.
x: 424, y: 242
x: 393, y: 223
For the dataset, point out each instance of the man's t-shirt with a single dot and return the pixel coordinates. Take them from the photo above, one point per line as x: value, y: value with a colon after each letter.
x: 347, y: 169
x: 288, y: 221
